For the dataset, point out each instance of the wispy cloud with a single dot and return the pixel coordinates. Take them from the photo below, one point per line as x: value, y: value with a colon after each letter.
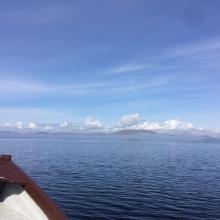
x: 201, y: 54
x: 195, y: 48
x: 11, y: 86
x: 129, y: 68
x: 168, y: 75
x: 174, y: 60
x: 21, y: 89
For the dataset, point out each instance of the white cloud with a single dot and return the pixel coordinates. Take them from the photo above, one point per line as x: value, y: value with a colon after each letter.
x: 91, y: 123
x: 47, y: 127
x: 32, y: 125
x: 63, y: 125
x: 7, y: 125
x: 134, y: 121
x: 18, y: 125
x: 174, y: 124
x: 129, y: 120
x: 147, y: 126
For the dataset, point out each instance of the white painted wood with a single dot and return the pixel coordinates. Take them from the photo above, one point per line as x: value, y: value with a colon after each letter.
x: 15, y: 199
x: 7, y: 213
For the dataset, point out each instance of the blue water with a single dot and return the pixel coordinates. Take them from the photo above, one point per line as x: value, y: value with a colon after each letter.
x: 123, y: 177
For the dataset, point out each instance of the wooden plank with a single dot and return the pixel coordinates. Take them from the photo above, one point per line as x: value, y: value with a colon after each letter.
x: 8, y: 173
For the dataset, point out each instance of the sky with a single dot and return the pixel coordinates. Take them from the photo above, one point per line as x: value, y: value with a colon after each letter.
x: 98, y: 62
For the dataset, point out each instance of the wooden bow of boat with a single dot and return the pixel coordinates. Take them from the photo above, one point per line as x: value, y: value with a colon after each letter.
x: 20, y: 193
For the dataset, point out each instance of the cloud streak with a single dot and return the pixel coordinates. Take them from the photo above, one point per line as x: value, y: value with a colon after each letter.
x: 129, y: 68
x: 22, y: 89
x: 167, y: 75
x: 204, y: 53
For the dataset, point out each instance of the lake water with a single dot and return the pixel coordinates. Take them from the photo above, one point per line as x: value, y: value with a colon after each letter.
x: 123, y: 177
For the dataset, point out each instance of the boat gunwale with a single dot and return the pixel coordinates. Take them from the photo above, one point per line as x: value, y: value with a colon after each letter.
x: 47, y: 205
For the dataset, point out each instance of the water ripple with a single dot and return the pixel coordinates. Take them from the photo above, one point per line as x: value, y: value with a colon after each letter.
x: 117, y: 178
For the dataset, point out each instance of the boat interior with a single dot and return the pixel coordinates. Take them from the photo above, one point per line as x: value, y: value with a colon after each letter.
x: 16, y: 204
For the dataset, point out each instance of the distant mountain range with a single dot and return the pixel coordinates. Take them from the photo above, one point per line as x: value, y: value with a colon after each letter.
x: 125, y: 132
x: 134, y: 131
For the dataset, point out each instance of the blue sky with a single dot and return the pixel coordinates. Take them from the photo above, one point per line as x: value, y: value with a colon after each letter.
x: 68, y: 60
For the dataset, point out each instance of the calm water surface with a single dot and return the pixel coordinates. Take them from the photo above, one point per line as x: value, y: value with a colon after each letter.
x: 124, y: 177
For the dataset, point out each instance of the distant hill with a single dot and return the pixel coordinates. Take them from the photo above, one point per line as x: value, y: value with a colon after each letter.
x: 134, y: 131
